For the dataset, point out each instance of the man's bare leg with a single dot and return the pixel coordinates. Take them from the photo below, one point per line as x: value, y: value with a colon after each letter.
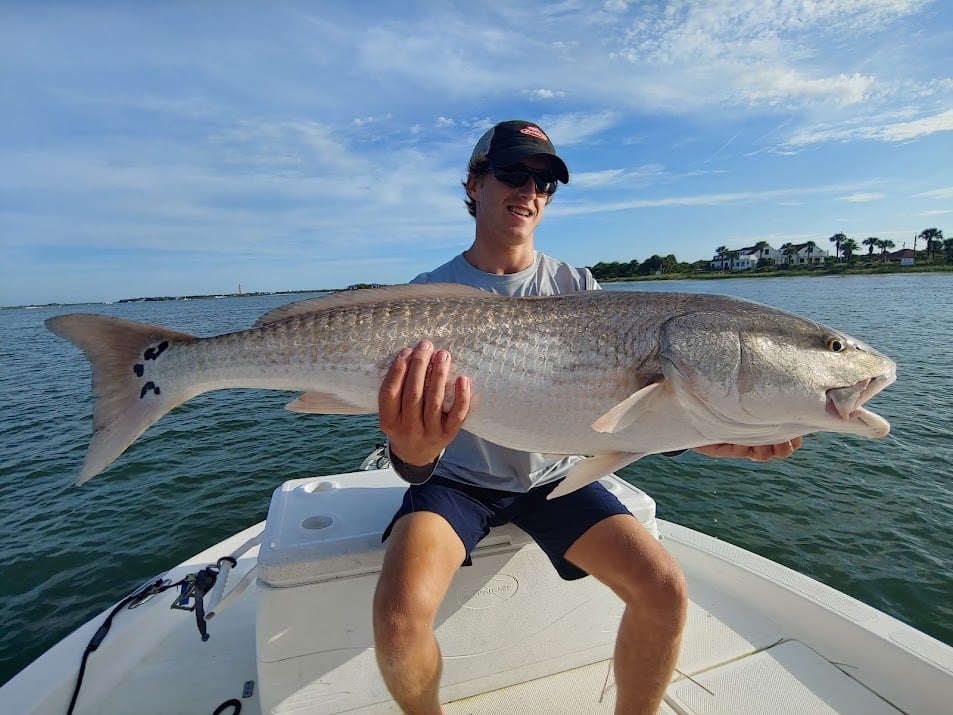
x: 623, y: 555
x: 423, y: 554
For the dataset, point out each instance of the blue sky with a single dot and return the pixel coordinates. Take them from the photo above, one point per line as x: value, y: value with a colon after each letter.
x: 183, y: 148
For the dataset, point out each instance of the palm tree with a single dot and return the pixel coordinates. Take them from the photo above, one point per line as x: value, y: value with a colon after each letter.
x: 837, y: 239
x: 720, y: 255
x: 934, y: 238
x: 761, y: 247
x: 884, y: 244
x: 849, y: 247
x: 732, y: 256
x: 788, y: 250
x: 871, y: 242
x: 810, y: 246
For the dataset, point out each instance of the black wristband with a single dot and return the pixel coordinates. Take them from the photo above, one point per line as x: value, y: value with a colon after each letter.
x: 409, y: 472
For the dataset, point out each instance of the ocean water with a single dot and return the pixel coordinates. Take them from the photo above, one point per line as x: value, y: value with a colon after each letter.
x: 869, y: 517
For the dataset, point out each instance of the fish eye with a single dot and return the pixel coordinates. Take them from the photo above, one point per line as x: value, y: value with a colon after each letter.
x: 836, y: 344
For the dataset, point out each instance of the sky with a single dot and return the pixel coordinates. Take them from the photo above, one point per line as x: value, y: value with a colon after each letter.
x: 183, y: 148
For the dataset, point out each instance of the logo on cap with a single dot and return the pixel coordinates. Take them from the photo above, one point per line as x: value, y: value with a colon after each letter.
x: 536, y: 132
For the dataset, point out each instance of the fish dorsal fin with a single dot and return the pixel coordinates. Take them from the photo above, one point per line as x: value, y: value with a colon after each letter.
x: 369, y: 296
x: 629, y: 410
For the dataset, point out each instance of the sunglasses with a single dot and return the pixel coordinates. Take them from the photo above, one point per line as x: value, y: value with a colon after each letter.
x: 517, y: 174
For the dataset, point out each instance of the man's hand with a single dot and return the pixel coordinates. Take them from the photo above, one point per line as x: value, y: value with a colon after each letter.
x: 762, y: 453
x: 410, y: 403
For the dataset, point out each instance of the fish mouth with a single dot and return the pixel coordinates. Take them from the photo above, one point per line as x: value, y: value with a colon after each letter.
x: 846, y: 403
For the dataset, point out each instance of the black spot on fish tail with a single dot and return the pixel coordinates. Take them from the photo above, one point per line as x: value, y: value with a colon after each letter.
x: 148, y: 386
x: 153, y: 353
x: 139, y: 369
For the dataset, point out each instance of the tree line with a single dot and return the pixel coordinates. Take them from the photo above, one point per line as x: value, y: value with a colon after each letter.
x: 655, y: 265
x: 932, y: 238
x: 846, y: 250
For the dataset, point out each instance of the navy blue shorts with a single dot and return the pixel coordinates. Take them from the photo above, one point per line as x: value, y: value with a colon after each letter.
x: 554, y: 525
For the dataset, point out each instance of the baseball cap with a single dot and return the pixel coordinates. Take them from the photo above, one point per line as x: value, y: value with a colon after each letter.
x: 509, y: 142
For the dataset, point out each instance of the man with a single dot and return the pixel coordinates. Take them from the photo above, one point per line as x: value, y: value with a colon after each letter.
x: 462, y: 485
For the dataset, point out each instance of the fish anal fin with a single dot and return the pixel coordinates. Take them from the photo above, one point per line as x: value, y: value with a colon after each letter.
x: 324, y: 403
x: 590, y: 469
x: 628, y: 411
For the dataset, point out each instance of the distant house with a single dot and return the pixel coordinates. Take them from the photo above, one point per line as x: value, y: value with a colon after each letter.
x: 747, y: 258
x: 803, y: 255
x: 743, y: 259
x: 901, y: 254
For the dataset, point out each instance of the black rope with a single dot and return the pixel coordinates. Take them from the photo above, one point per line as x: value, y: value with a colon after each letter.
x: 234, y: 704
x: 201, y: 582
x: 152, y: 589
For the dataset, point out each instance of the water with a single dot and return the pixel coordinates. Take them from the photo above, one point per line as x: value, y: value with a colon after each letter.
x: 869, y: 517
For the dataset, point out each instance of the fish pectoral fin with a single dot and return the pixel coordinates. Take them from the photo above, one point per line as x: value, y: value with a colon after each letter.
x: 590, y: 469
x: 629, y: 410
x: 323, y: 403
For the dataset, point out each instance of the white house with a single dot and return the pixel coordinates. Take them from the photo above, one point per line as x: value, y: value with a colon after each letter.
x: 743, y: 259
x: 746, y: 258
x: 804, y: 254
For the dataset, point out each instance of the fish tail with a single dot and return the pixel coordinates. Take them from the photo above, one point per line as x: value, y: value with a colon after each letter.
x: 128, y: 395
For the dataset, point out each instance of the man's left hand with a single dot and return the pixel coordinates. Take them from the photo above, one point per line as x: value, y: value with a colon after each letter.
x: 761, y: 453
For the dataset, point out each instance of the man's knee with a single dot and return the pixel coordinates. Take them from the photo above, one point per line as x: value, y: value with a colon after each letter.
x: 422, y: 556
x: 402, y: 614
x: 622, y: 554
x: 662, y: 588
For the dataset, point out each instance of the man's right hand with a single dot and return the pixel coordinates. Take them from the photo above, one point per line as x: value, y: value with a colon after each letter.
x: 410, y: 403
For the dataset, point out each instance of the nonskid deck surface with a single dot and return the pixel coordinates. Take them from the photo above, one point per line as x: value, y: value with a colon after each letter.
x: 788, y: 678
x: 732, y: 662
x: 730, y: 672
x: 759, y: 639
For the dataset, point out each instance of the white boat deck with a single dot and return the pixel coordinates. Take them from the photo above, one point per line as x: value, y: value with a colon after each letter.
x: 760, y: 639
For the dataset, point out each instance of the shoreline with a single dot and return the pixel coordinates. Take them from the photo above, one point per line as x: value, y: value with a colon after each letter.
x: 762, y: 273
x: 839, y: 270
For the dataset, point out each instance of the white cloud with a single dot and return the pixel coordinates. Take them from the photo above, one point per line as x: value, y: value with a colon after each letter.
x: 578, y: 127
x: 366, y: 121
x: 615, y: 6
x: 543, y: 94
x: 617, y: 177
x: 775, y: 53
x: 596, y: 179
x: 905, y: 131
x: 860, y: 197
x: 779, y: 86
x: 887, y: 132
x: 944, y: 193
x: 754, y: 31
x: 687, y: 200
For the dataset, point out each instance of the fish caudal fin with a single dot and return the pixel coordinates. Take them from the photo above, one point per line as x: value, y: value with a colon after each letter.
x: 128, y: 395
